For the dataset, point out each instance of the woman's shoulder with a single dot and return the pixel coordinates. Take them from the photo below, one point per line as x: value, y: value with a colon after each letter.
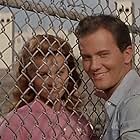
x: 76, y: 117
x: 35, y: 107
x: 80, y: 125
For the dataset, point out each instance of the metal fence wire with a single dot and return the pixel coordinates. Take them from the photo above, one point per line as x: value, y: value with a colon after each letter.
x: 25, y: 26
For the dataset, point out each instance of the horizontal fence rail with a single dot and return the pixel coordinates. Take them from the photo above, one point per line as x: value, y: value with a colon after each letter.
x: 51, y: 10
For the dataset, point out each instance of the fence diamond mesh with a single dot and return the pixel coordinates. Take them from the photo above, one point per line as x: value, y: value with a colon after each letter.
x: 21, y: 20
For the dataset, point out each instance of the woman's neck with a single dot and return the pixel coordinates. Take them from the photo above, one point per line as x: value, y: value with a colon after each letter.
x: 54, y: 105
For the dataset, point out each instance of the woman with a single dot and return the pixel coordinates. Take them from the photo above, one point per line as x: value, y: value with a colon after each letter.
x: 45, y: 93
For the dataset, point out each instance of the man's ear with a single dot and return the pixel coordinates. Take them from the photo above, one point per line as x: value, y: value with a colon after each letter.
x: 128, y: 55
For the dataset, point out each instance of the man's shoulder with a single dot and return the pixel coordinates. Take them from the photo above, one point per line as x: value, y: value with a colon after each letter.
x: 130, y: 105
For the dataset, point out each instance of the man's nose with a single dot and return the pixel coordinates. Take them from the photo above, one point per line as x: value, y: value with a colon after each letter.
x: 95, y: 64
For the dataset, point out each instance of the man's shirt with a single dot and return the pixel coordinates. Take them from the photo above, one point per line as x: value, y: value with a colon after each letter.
x: 123, y: 110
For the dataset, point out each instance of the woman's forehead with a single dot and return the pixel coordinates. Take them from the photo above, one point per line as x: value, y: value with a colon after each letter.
x: 51, y: 60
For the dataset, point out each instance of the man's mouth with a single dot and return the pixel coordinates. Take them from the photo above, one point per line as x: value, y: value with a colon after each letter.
x: 98, y: 76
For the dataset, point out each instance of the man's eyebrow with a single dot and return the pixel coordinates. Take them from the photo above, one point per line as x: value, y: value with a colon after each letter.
x: 103, y: 51
x: 97, y: 53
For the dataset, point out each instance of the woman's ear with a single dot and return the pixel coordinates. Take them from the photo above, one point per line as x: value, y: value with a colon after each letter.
x: 128, y: 55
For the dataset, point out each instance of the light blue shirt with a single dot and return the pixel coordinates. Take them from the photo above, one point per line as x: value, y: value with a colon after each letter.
x: 123, y: 110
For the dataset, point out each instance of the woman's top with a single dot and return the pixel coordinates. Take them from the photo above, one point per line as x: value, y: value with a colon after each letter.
x: 37, y: 121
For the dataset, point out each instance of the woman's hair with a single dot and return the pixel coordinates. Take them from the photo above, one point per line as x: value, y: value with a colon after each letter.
x: 42, y: 45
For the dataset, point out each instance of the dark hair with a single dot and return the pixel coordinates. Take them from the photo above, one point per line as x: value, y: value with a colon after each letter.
x: 114, y: 25
x: 40, y: 45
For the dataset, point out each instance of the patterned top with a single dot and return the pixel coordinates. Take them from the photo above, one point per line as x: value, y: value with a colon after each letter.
x: 38, y: 121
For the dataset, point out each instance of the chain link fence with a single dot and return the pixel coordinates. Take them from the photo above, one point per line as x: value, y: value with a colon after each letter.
x: 22, y: 19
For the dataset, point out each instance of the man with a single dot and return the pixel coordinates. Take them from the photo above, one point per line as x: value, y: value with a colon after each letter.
x: 106, y: 50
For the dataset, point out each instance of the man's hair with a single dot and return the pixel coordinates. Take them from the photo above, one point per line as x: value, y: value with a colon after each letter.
x: 114, y: 25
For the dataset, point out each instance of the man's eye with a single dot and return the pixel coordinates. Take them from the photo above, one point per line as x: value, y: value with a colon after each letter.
x: 104, y: 55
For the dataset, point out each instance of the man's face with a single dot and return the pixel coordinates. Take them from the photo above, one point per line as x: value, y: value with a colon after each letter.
x: 103, y: 61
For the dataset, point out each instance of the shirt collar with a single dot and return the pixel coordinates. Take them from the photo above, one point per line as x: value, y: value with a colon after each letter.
x: 123, y: 89
x: 121, y: 92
